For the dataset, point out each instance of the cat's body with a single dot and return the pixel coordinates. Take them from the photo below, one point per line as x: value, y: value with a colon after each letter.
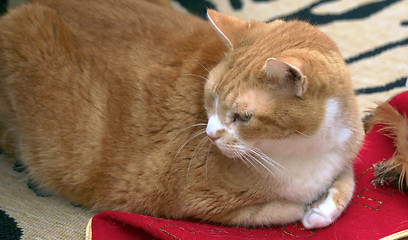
x: 104, y: 101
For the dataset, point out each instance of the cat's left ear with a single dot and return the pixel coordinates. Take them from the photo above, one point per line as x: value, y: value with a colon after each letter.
x: 288, y: 70
x: 228, y: 28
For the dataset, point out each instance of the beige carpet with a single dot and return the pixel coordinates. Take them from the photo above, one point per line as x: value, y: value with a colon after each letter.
x: 371, y: 34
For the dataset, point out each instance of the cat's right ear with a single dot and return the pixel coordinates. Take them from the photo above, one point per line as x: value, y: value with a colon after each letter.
x: 288, y: 71
x: 227, y: 27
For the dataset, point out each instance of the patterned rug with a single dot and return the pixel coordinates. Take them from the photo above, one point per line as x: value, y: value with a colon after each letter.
x: 371, y: 34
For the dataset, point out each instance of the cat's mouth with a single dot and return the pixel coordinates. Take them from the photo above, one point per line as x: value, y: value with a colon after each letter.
x: 230, y: 151
x: 248, y: 154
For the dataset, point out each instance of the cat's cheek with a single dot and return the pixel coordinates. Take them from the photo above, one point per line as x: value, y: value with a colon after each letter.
x: 249, y: 134
x: 250, y: 143
x: 209, y: 106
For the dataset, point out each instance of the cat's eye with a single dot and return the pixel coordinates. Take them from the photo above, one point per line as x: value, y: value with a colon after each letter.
x: 242, y: 117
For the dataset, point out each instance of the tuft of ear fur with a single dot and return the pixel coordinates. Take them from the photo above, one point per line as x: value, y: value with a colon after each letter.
x: 395, y: 126
x: 289, y: 71
x: 227, y: 27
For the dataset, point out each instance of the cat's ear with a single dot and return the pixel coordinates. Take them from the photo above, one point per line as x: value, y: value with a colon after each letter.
x: 227, y: 27
x: 289, y: 71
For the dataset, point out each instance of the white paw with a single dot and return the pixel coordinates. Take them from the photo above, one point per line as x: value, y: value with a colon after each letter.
x: 322, y: 214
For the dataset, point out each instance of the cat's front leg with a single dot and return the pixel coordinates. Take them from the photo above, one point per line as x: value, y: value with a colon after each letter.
x: 325, y: 211
x: 266, y: 214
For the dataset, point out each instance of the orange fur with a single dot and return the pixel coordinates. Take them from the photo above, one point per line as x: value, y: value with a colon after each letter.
x: 102, y: 100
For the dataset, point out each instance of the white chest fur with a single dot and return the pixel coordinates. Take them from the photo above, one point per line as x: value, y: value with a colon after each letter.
x: 309, y: 163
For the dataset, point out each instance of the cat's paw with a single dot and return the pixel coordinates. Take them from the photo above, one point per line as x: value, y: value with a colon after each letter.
x: 323, y: 213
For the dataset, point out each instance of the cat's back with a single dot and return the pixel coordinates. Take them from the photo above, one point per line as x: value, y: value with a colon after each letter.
x: 102, y: 24
x: 84, y: 79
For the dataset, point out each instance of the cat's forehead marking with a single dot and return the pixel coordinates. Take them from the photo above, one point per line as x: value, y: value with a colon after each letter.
x: 253, y: 100
x: 214, y: 122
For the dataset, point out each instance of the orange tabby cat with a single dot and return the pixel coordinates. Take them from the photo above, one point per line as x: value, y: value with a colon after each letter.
x: 105, y: 103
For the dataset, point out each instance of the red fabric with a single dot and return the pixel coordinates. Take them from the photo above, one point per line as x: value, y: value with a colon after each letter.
x: 373, y: 213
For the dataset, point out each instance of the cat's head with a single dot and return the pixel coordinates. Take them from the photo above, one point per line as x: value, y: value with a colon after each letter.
x: 270, y: 86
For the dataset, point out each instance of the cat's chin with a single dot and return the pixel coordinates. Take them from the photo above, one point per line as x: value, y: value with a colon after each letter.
x: 226, y: 152
x: 229, y: 154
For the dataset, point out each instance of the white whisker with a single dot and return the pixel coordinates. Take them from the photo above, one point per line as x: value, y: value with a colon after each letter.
x: 241, y: 158
x: 302, y: 133
x: 197, y: 150
x: 200, y: 145
x: 201, y: 64
x: 262, y: 155
x: 191, y: 138
x: 194, y: 75
x: 206, y: 161
x: 244, y: 157
x: 184, y: 129
x: 258, y: 161
x: 194, y: 125
x: 259, y: 157
x: 265, y: 157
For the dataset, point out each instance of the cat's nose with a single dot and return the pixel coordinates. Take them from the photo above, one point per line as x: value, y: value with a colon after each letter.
x: 213, y: 128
